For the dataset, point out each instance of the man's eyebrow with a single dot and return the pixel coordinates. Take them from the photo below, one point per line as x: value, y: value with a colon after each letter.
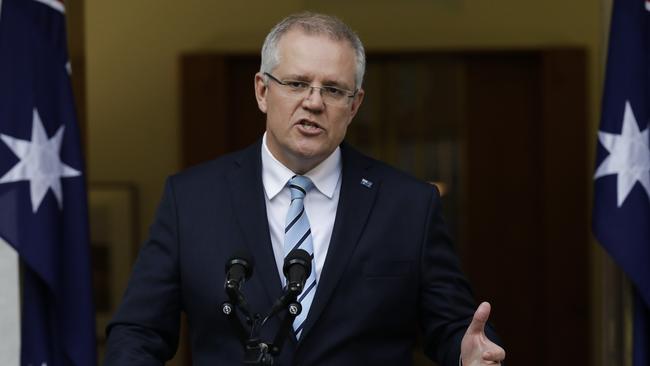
x: 337, y: 84
x: 326, y: 82
x: 297, y: 77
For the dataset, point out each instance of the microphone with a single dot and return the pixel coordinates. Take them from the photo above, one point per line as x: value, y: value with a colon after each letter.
x: 239, y: 268
x: 297, y: 267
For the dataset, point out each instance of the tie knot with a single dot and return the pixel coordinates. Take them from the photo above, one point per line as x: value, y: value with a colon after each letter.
x: 299, y: 185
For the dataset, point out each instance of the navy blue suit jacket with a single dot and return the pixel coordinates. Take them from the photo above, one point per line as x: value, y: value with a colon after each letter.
x: 390, y: 271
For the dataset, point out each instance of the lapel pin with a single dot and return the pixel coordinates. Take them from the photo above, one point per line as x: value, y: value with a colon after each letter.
x: 366, y: 183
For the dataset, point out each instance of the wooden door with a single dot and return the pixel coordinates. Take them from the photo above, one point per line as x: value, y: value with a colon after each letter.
x: 504, y: 132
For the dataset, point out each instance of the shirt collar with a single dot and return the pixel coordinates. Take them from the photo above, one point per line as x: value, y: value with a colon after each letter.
x: 275, y: 175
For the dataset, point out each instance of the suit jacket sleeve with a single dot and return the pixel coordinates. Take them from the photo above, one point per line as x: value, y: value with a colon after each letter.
x: 144, y: 330
x: 446, y: 301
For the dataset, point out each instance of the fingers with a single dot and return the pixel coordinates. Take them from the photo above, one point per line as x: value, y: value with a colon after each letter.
x: 480, y: 318
x: 495, y: 354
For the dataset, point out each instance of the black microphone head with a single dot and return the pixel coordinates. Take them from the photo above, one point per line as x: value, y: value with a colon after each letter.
x: 297, y: 257
x: 241, y: 261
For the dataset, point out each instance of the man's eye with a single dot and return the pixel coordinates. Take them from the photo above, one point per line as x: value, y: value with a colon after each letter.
x: 298, y: 85
x: 332, y: 91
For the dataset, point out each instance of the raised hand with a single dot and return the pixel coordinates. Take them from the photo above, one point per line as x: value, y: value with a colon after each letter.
x: 476, y: 349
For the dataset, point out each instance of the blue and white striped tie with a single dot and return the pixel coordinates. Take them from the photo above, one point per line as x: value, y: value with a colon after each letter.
x: 297, y: 235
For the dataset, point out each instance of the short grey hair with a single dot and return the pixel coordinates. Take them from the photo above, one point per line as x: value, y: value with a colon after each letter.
x: 313, y: 24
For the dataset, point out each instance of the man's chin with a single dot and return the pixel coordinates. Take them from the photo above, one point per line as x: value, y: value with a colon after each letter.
x: 309, y: 151
x: 309, y: 157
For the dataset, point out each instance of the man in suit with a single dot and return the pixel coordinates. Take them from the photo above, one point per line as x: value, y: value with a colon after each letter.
x: 382, y: 261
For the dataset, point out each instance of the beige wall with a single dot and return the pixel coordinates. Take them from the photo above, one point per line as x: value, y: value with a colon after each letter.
x: 132, y: 49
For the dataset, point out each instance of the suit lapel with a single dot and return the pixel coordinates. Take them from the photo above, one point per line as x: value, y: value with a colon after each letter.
x: 249, y: 206
x: 358, y: 190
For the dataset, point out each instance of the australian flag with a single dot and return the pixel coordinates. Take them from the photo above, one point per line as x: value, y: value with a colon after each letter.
x: 43, y: 209
x: 621, y: 217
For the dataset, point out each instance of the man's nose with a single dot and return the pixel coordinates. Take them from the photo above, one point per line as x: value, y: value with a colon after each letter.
x: 314, y: 100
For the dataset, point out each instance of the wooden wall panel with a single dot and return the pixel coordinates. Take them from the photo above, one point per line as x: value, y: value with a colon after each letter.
x: 504, y: 248
x: 527, y: 202
x: 219, y: 113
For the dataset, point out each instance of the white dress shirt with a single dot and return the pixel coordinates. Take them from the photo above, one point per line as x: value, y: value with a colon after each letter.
x: 320, y: 202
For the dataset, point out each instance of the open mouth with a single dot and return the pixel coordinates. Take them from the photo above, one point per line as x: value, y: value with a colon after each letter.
x: 308, y: 125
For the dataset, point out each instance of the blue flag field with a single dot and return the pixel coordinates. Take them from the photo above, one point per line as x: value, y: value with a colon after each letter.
x: 43, y: 208
x: 621, y: 215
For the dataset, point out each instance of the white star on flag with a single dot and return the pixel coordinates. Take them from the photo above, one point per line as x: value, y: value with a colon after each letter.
x: 629, y: 156
x: 39, y: 163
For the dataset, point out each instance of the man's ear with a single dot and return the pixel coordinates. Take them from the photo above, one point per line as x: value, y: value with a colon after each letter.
x: 260, y: 92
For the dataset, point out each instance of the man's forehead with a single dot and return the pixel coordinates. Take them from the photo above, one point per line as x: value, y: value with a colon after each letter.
x: 308, y: 56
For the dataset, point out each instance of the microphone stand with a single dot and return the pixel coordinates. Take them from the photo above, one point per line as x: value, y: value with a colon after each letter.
x: 229, y: 308
x: 256, y: 351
